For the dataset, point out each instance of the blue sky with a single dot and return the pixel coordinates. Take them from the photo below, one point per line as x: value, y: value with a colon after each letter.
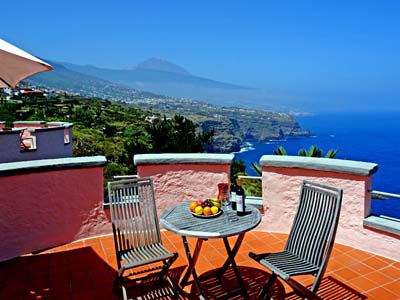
x: 294, y: 49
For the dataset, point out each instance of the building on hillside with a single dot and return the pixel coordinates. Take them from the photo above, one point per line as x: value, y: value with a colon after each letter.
x: 31, y: 93
x: 33, y: 140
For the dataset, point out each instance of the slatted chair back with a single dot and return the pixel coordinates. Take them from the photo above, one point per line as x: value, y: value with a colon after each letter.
x: 133, y: 215
x: 314, y: 228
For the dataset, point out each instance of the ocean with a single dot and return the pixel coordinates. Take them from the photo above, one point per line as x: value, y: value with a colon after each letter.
x: 364, y: 137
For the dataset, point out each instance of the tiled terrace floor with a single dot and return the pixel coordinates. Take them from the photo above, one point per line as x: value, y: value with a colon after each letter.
x: 86, y: 270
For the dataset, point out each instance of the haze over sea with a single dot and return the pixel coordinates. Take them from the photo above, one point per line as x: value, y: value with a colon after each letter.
x: 364, y: 137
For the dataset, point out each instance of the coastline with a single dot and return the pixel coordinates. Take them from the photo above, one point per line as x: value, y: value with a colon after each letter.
x: 361, y: 137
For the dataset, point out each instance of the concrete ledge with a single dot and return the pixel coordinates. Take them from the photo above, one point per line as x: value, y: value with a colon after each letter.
x: 383, y: 223
x: 31, y: 166
x: 321, y: 164
x: 30, y: 122
x: 61, y: 124
x: 182, y: 158
x: 46, y: 129
x: 13, y: 130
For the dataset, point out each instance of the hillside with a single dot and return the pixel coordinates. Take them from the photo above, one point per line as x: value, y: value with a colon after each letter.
x: 63, y: 78
x: 101, y: 127
x: 163, y: 77
x: 232, y: 125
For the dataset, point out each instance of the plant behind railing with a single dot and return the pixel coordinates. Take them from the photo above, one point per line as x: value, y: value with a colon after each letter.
x: 313, y: 151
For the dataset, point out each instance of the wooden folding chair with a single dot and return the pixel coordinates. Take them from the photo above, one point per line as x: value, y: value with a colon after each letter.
x: 136, y: 231
x: 310, y: 241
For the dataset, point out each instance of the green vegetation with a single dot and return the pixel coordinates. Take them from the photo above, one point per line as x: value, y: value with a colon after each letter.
x: 313, y: 151
x: 251, y: 187
x: 117, y: 131
x: 280, y: 151
x: 177, y: 135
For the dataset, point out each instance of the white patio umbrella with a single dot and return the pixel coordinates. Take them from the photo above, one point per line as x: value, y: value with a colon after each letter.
x: 16, y: 65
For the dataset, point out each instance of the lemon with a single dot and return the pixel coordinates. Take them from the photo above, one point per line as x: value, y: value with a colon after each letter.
x: 198, y: 210
x: 214, y: 210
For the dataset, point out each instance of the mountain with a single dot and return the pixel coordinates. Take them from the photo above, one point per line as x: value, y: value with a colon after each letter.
x: 162, y: 77
x: 233, y: 126
x: 63, y: 78
x: 158, y: 64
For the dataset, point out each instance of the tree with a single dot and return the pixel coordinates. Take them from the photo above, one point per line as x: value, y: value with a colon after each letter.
x: 83, y: 116
x: 177, y: 135
x: 238, y: 166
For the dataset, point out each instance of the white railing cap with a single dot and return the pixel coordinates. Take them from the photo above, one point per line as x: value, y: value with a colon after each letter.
x: 29, y: 122
x: 320, y: 164
x: 182, y: 158
x: 62, y: 124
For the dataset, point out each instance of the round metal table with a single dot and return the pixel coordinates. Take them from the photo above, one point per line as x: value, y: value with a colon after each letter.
x: 179, y: 220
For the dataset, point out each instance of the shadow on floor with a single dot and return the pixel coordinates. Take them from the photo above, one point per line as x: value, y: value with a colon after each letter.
x: 333, y: 289
x: 149, y: 288
x: 214, y: 289
x: 70, y: 274
x: 83, y: 274
x: 253, y: 278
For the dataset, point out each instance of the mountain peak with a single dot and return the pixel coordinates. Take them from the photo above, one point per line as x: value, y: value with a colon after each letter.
x: 159, y: 64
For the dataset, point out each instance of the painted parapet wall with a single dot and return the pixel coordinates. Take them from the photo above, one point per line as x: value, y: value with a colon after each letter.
x: 45, y: 203
x: 54, y: 141
x: 282, y: 178
x: 67, y: 131
x: 184, y: 177
x: 10, y: 145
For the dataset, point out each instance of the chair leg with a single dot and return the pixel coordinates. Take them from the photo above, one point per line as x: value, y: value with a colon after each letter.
x: 264, y: 292
x: 166, y: 265
x: 116, y: 283
x: 302, y: 290
x: 124, y: 294
x: 119, y: 282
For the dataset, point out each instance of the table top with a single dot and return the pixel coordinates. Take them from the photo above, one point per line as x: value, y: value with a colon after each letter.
x: 179, y: 219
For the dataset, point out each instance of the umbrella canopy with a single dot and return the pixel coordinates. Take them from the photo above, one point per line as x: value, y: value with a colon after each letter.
x: 16, y: 65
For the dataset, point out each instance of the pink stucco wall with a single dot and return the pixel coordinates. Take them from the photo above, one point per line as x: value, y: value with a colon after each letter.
x: 45, y: 209
x: 175, y: 183
x: 281, y: 188
x: 28, y: 125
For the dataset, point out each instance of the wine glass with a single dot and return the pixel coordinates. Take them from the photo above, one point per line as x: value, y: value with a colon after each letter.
x: 224, y: 197
x: 226, y: 207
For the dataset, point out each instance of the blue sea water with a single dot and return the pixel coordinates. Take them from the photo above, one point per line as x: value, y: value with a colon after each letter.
x: 364, y: 137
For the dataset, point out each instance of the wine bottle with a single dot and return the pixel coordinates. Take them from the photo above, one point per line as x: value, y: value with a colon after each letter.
x: 233, y: 194
x: 240, y: 200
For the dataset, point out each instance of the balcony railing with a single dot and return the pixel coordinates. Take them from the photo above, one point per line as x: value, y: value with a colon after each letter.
x: 384, y: 195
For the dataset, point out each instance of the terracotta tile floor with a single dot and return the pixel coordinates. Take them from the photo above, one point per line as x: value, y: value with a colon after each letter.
x: 86, y: 270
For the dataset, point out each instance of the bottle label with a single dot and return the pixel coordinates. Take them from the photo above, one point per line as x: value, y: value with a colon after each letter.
x: 239, y: 203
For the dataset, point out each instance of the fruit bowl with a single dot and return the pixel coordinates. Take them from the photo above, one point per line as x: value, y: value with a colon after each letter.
x: 206, y: 217
x: 208, y: 208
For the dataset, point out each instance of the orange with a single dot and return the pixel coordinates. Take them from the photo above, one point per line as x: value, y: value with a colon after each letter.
x: 198, y: 203
x: 193, y: 206
x: 207, y: 211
